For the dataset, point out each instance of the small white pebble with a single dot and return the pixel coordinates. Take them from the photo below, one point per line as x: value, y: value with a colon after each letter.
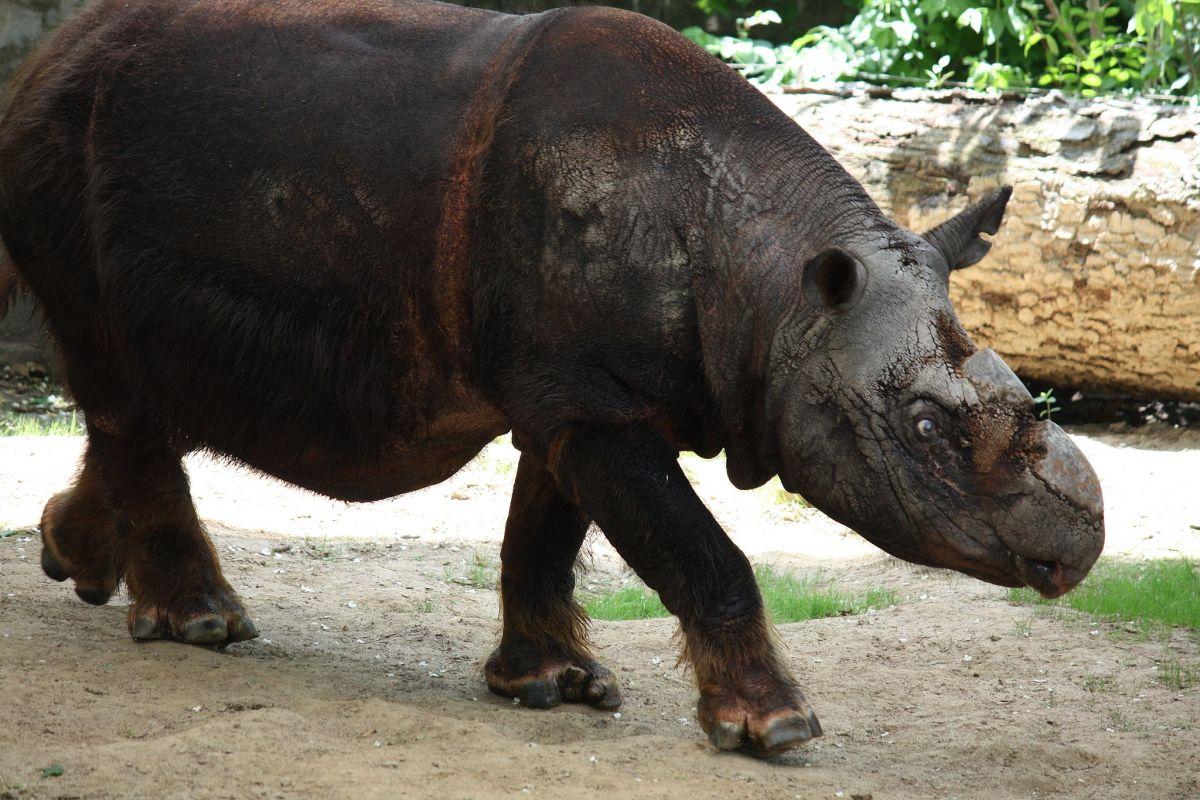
x: 378, y: 743
x: 656, y: 660
x: 616, y: 715
x: 966, y: 658
x: 352, y: 604
x: 197, y: 708
x: 593, y: 759
x: 307, y: 589
x: 266, y: 551
x: 683, y: 720
x: 266, y: 641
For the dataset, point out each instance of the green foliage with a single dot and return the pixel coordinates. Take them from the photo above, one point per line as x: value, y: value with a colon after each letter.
x: 1177, y: 675
x: 792, y: 598
x: 1048, y: 402
x: 788, y: 598
x: 1087, y: 47
x: 38, y: 425
x: 631, y: 602
x: 1148, y: 595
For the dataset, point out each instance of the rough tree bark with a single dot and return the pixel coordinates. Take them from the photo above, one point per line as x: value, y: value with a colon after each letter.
x: 1094, y: 280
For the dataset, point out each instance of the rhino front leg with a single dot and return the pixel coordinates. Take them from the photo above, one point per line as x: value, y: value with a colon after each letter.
x: 630, y: 482
x: 543, y: 657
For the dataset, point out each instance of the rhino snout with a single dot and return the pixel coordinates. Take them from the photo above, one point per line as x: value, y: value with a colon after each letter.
x: 1061, y: 525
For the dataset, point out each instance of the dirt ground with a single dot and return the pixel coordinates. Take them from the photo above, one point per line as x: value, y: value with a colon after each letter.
x: 375, y: 622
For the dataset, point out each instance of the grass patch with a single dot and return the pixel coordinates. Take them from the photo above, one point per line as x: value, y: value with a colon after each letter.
x: 631, y: 602
x: 1149, y: 595
x: 1177, y: 675
x: 788, y: 598
x: 40, y: 425
x: 792, y: 598
x: 1099, y: 683
x: 481, y: 573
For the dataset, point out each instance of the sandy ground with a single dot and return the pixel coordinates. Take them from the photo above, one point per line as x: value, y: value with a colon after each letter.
x: 366, y: 681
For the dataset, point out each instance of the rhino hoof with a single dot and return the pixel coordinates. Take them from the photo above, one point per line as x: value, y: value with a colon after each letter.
x: 207, y: 621
x: 545, y: 685
x: 732, y: 724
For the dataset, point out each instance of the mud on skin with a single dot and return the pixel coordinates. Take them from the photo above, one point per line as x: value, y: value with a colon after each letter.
x: 576, y: 226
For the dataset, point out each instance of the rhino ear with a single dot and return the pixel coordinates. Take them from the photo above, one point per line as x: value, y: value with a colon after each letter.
x: 958, y: 239
x: 834, y: 279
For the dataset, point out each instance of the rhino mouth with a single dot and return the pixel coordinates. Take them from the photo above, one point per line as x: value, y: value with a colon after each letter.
x: 1050, y: 579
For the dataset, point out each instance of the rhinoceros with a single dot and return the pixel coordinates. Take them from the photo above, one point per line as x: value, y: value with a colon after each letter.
x: 349, y: 243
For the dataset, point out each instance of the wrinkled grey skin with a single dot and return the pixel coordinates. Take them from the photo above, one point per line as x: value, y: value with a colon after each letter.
x: 990, y: 489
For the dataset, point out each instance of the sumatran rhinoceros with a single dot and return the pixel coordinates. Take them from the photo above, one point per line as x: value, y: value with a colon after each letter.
x: 348, y: 243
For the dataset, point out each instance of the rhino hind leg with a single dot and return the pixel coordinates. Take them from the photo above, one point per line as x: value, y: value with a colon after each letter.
x: 159, y: 546
x: 544, y: 658
x: 632, y: 484
x: 79, y: 539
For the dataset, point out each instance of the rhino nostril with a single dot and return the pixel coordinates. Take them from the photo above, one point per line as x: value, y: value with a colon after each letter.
x: 1050, y: 578
x: 1046, y: 569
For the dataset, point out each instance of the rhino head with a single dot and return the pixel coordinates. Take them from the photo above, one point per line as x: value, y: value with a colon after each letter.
x: 884, y: 414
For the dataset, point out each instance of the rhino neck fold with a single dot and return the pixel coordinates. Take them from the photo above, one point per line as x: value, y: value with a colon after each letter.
x: 776, y: 199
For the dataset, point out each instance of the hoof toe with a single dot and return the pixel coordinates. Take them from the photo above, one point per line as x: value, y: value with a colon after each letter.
x: 209, y: 629
x: 144, y: 629
x: 52, y: 566
x: 541, y: 693
x: 726, y: 736
x: 94, y: 595
x: 783, y: 733
x: 814, y: 725
x: 242, y: 629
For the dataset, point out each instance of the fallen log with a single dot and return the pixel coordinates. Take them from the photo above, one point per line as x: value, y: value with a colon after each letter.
x: 1094, y: 280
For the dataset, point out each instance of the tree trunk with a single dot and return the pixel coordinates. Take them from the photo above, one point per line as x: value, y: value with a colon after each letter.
x: 1094, y: 279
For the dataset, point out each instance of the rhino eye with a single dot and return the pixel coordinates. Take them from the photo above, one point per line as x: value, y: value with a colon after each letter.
x: 926, y: 428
